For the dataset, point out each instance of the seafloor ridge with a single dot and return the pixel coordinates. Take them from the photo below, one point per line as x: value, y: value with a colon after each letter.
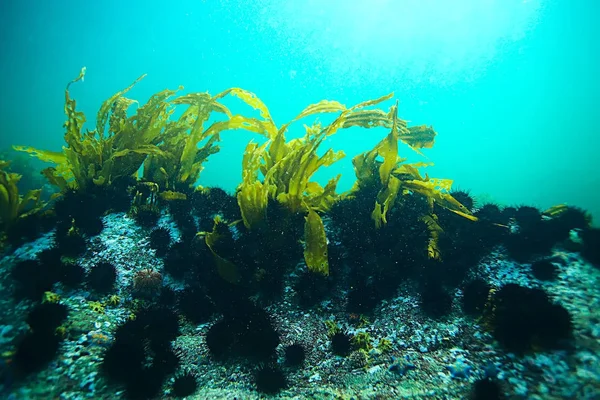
x: 129, y: 281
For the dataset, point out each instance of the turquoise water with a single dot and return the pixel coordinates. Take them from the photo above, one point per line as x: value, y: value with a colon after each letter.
x: 511, y: 86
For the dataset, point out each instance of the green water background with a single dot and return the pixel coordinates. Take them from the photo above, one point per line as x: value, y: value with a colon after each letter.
x: 511, y: 86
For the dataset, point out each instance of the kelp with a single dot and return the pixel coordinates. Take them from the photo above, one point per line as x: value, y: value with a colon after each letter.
x: 225, y: 268
x: 433, y: 251
x: 287, y: 167
x: 559, y: 210
x: 98, y: 157
x: 382, y: 168
x: 182, y: 160
x: 173, y: 151
x: 253, y: 195
x: 396, y: 177
x: 169, y: 195
x: 12, y: 205
x: 315, y: 248
x: 168, y: 149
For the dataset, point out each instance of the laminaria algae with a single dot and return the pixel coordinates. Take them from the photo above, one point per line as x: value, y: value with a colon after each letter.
x: 216, y: 290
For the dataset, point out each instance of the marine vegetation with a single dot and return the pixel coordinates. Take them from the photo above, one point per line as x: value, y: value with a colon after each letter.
x: 15, y: 207
x: 198, y: 259
x: 120, y: 145
x: 170, y: 153
x: 287, y: 167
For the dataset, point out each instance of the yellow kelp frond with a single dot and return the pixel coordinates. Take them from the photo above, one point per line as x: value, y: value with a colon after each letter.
x: 111, y: 103
x: 253, y: 195
x: 385, y: 201
x: 340, y: 120
x: 562, y: 209
x: 394, y: 175
x: 367, y: 163
x: 435, y: 191
x: 368, y: 119
x: 189, y: 172
x: 322, y: 107
x: 12, y: 205
x: 322, y: 198
x: 411, y: 171
x: 237, y: 122
x: 61, y: 171
x: 373, y: 102
x: 145, y: 127
x: 297, y: 167
x: 556, y: 210
x: 433, y: 251
x: 365, y: 168
x: 9, y: 194
x: 43, y: 155
x: 278, y: 148
x: 252, y: 161
x: 328, y: 106
x: 416, y: 137
x: 252, y: 199
x: 169, y: 195
x: 253, y: 101
x: 315, y: 244
x: 388, y: 149
x: 99, y: 158
x: 419, y: 137
x: 121, y: 163
x: 80, y: 77
x: 226, y: 269
x: 119, y: 113
x: 56, y: 179
x: 201, y: 105
x: 288, y: 166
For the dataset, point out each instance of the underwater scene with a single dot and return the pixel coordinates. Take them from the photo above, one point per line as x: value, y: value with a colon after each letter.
x: 303, y: 199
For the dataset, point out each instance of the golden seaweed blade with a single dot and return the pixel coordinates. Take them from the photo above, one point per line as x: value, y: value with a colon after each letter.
x: 315, y: 246
x: 13, y: 205
x: 287, y: 167
x: 225, y: 268
x: 90, y: 156
x: 253, y: 195
x: 394, y: 174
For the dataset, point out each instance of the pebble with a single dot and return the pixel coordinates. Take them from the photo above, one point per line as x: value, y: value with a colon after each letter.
x: 375, y: 369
